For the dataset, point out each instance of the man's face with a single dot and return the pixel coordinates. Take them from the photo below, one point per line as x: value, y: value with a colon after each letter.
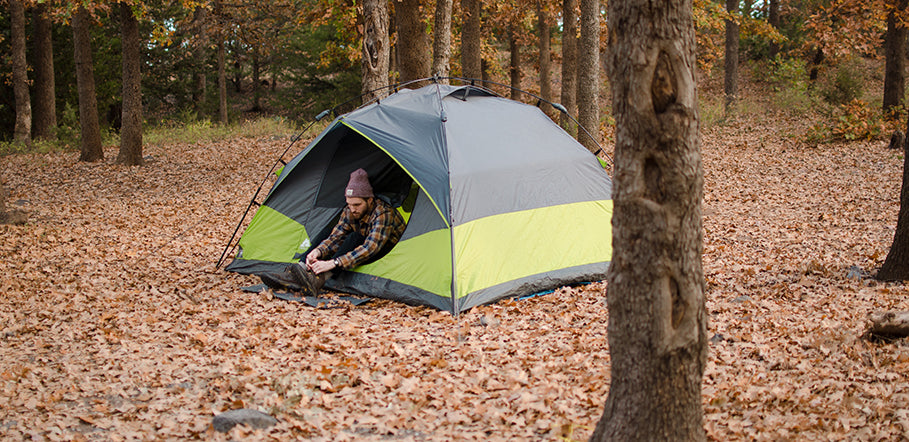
x: 357, y: 206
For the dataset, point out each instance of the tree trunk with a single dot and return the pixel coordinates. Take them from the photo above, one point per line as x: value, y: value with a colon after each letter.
x: 22, y: 132
x: 85, y: 83
x: 655, y: 293
x: 131, y: 128
x: 773, y: 18
x: 569, y: 64
x: 413, y: 42
x: 896, y: 266
x: 514, y: 67
x: 222, y: 68
x: 45, y: 109
x: 543, y: 46
x: 815, y: 65
x: 895, y: 56
x: 471, y: 66
x: 731, y: 77
x: 441, y: 43
x: 257, y: 81
x: 375, y: 48
x: 9, y: 216
x: 589, y: 74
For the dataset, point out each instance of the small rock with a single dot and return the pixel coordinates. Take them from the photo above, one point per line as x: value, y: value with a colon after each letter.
x: 741, y: 299
x: 717, y: 338
x: 854, y: 272
x: 254, y: 418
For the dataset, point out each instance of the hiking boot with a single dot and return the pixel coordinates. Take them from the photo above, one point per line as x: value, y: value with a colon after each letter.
x: 287, y: 279
x: 308, y: 279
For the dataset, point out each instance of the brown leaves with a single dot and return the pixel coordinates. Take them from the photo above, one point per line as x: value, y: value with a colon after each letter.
x: 113, y: 322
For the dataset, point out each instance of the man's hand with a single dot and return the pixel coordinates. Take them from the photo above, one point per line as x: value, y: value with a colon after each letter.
x: 312, y: 257
x: 318, y: 267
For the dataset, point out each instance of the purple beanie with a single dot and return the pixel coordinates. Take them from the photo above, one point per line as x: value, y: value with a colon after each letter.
x: 358, y: 186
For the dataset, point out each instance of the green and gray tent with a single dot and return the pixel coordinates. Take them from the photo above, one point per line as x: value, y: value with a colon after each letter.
x: 500, y: 201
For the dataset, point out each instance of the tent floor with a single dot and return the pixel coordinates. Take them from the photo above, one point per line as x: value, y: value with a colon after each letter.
x: 312, y: 301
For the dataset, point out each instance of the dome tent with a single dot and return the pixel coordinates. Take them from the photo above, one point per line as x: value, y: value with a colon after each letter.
x: 500, y: 201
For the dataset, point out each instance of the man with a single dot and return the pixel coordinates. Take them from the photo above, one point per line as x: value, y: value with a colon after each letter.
x: 367, y: 230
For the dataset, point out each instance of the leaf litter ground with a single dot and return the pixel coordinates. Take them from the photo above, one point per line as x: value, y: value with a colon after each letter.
x: 116, y: 326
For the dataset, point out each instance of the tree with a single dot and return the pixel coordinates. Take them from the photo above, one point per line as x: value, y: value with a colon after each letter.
x: 441, y: 43
x: 543, y: 46
x: 569, y: 64
x: 413, y: 41
x: 731, y: 75
x: 773, y: 19
x: 218, y: 10
x: 655, y: 291
x: 85, y: 79
x: 588, y: 74
x: 9, y: 216
x: 896, y: 265
x: 22, y: 132
x: 45, y: 102
x: 131, y: 129
x: 471, y: 64
x: 895, y: 55
x: 514, y: 66
x: 374, y: 19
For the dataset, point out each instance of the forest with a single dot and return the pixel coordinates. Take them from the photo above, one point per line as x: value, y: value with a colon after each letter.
x: 133, y: 133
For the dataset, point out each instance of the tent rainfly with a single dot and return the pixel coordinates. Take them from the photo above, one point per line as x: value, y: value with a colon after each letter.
x: 500, y: 201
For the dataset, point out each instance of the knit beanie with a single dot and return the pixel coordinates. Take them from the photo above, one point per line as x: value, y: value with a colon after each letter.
x: 358, y: 186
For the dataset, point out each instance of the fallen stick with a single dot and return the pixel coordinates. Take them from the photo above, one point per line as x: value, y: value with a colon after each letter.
x: 891, y: 324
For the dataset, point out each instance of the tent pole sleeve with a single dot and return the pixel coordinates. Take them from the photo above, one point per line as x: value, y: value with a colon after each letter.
x: 455, y: 310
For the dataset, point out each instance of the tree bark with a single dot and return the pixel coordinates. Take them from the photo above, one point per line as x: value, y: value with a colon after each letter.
x: 569, y: 64
x: 85, y: 81
x: 45, y: 101
x: 773, y: 18
x: 375, y: 61
x: 22, y: 131
x: 514, y: 66
x: 896, y: 265
x: 222, y: 68
x: 655, y: 293
x: 895, y: 57
x: 731, y: 77
x: 543, y: 46
x: 471, y: 65
x: 441, y: 43
x: 889, y: 325
x: 131, y: 128
x: 9, y: 216
x: 589, y: 74
x: 413, y: 42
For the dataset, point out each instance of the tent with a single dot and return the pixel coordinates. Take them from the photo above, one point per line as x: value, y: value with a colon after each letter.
x: 500, y: 201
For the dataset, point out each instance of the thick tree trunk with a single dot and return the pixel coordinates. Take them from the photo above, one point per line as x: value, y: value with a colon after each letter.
x: 131, y: 128
x: 45, y: 101
x: 543, y: 46
x: 895, y: 58
x: 85, y: 81
x: 589, y: 74
x: 657, y: 320
x: 569, y: 64
x: 22, y: 131
x: 896, y: 266
x: 514, y: 66
x: 471, y: 64
x: 375, y: 48
x: 773, y: 18
x: 413, y: 42
x: 731, y: 77
x: 9, y: 216
x: 441, y: 43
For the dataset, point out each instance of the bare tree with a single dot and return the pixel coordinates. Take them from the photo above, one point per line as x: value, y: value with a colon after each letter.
x: 85, y: 80
x: 412, y: 41
x: 569, y: 63
x: 731, y: 62
x: 374, y: 18
x: 22, y: 131
x: 441, y: 43
x: 895, y: 56
x: 131, y: 129
x: 657, y: 320
x: 896, y: 265
x: 471, y: 64
x: 589, y: 74
x: 45, y: 102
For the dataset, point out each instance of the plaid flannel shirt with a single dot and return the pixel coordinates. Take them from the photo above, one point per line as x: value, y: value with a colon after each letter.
x: 381, y: 227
